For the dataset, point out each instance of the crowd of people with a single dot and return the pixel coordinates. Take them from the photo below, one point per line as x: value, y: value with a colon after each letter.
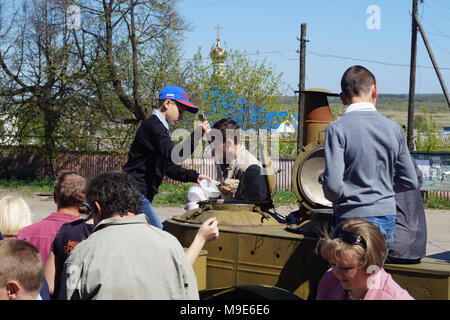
x: 105, y: 240
x: 101, y: 216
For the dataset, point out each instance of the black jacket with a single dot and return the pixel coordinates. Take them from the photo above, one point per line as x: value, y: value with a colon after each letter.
x: 149, y: 158
x: 253, y: 186
x: 410, y: 235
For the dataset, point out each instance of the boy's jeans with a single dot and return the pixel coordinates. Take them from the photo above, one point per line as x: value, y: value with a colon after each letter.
x: 147, y: 209
x: 386, y: 224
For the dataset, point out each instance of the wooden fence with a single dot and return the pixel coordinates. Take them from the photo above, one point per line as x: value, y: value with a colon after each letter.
x: 207, y: 166
x: 29, y: 164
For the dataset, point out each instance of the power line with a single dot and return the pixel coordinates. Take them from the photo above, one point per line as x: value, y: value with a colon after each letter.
x: 371, y: 61
x: 443, y: 4
x: 207, y: 4
x: 440, y: 34
x: 334, y: 56
x: 432, y: 25
x: 437, y: 11
x: 435, y: 28
x: 341, y: 32
x: 440, y: 47
x: 256, y: 54
x: 272, y: 52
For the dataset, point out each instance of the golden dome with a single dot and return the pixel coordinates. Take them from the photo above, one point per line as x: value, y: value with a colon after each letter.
x: 218, y: 54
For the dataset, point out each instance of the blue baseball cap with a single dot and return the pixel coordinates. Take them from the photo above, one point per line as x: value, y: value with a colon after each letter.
x: 179, y: 95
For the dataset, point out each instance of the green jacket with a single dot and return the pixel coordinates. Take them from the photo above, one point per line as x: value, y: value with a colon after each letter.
x: 127, y: 258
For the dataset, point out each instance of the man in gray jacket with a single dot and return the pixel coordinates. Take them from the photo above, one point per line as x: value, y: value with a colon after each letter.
x: 126, y: 257
x: 366, y: 157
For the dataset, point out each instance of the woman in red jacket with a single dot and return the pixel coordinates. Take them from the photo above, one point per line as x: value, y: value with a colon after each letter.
x: 356, y: 252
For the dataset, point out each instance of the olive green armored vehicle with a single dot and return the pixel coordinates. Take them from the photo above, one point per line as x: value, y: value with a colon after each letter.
x: 257, y: 247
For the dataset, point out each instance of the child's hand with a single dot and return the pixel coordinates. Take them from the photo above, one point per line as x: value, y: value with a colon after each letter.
x: 204, y: 126
x: 201, y: 177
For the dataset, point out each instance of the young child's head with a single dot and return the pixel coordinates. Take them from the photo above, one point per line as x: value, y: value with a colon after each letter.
x: 14, y: 215
x: 69, y: 190
x: 173, y: 102
x: 21, y: 270
x: 358, y: 85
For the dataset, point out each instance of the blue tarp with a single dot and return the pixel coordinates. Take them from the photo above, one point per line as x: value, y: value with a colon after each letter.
x: 257, y: 114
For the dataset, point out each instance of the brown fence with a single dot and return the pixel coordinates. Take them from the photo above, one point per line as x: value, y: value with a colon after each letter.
x: 207, y: 166
x: 21, y: 163
x: 28, y: 163
x: 437, y: 194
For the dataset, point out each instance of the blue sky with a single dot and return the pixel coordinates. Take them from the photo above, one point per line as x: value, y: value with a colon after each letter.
x: 336, y: 28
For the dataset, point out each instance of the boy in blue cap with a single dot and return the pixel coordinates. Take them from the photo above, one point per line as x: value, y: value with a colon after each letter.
x: 150, y: 157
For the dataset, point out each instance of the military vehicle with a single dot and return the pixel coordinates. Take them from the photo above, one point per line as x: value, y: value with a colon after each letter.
x: 257, y: 246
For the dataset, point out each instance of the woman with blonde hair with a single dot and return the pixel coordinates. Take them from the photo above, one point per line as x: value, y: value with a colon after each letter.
x: 356, y: 251
x: 14, y: 215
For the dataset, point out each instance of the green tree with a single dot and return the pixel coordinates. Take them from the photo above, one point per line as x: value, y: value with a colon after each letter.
x: 419, y: 122
x: 241, y: 88
x: 40, y: 74
x: 426, y: 139
x: 140, y: 43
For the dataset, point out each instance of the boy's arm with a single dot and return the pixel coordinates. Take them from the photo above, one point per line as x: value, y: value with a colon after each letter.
x: 185, y: 148
x: 177, y: 172
x: 164, y: 146
x: 333, y: 175
x: 405, y: 176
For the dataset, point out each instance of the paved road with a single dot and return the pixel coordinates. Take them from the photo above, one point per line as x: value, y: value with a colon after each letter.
x: 438, y: 222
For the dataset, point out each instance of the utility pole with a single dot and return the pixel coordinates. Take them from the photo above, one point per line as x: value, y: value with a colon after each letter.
x: 433, y: 59
x: 301, y: 87
x: 412, y: 79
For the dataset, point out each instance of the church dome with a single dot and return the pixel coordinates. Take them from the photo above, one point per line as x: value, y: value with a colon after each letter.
x: 218, y: 54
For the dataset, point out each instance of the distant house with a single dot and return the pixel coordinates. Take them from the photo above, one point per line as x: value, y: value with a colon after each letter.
x: 8, y: 129
x: 288, y: 126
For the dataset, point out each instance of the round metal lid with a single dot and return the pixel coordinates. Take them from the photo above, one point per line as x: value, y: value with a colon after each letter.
x: 308, y: 167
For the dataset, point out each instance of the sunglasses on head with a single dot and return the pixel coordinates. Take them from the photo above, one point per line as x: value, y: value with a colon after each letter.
x: 349, y: 237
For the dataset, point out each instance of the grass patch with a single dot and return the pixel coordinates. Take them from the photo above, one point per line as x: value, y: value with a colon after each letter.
x: 27, y: 187
x: 434, y: 202
x: 284, y: 198
x: 171, y: 195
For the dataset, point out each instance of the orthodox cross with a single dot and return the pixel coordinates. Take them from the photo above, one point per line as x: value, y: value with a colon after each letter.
x: 218, y: 27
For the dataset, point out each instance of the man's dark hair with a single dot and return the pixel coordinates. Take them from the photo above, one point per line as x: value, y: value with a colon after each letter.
x: 356, y: 82
x: 115, y: 192
x: 228, y: 125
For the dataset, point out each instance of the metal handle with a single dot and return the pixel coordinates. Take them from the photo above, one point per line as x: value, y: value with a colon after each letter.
x: 318, y: 138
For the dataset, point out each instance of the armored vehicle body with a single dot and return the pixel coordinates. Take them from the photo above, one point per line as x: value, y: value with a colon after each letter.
x: 257, y: 246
